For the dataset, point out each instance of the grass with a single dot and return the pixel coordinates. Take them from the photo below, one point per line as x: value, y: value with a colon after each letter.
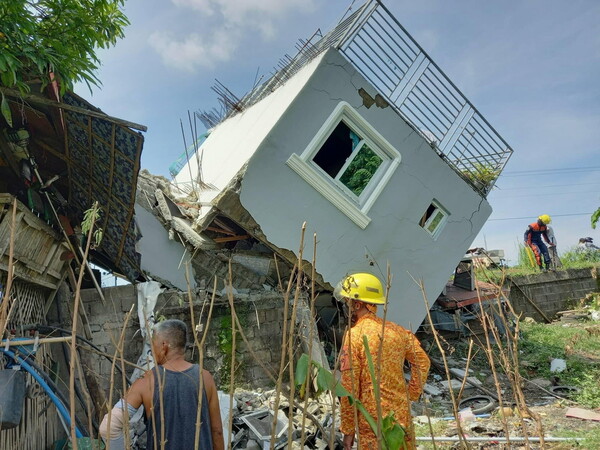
x: 591, y: 439
x: 580, y: 348
x: 570, y: 260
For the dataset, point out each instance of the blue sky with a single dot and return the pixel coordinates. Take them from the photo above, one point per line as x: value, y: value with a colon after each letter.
x: 532, y: 68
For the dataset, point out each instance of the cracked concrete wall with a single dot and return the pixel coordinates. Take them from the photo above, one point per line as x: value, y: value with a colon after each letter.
x: 552, y: 291
x: 280, y: 201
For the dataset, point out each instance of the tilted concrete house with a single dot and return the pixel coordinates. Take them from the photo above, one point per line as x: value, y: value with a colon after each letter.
x: 366, y: 140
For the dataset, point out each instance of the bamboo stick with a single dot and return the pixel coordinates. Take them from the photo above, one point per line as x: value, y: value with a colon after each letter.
x: 16, y: 342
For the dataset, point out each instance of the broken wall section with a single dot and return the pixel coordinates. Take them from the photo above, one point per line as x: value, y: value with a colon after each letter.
x: 260, y: 313
x: 552, y: 291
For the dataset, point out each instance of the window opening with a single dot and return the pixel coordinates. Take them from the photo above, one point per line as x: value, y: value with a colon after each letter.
x: 348, y: 162
x: 346, y: 157
x: 433, y: 219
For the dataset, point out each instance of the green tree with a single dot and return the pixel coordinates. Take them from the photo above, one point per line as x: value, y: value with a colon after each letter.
x: 46, y: 40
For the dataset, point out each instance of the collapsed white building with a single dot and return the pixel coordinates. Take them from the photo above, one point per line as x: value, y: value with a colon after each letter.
x: 364, y: 138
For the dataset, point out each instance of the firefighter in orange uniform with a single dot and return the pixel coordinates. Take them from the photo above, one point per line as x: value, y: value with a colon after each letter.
x: 361, y: 293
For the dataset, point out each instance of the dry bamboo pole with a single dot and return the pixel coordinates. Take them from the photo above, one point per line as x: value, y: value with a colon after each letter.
x: 200, y: 347
x: 10, y: 273
x: 336, y: 365
x: 461, y: 434
x: 510, y: 361
x: 86, y: 394
x: 49, y: 340
x: 74, y: 325
x: 464, y: 380
x: 490, y: 356
x: 348, y: 334
x: 161, y: 388
x: 127, y: 438
x: 388, y: 285
x: 515, y: 339
x: 284, y: 338
x: 509, y: 370
x: 429, y: 424
x: 311, y: 336
x: 118, y: 348
x: 290, y: 340
x: 233, y: 345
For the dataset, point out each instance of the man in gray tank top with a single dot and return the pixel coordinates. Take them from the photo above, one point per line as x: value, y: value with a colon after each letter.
x: 171, y: 399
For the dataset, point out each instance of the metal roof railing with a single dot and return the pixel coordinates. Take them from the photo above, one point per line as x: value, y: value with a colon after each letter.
x: 381, y: 49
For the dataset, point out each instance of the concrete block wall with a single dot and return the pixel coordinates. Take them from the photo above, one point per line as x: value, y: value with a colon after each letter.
x: 260, y: 313
x: 552, y: 291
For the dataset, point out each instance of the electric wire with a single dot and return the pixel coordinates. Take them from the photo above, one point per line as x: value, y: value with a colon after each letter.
x: 544, y: 186
x: 553, y: 215
x: 559, y: 168
x: 41, y: 381
x: 519, y: 173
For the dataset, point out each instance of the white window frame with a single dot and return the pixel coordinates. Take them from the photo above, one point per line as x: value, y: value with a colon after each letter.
x: 355, y: 207
x: 440, y: 226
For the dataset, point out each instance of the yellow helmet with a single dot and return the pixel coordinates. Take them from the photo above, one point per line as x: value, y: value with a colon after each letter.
x: 545, y: 218
x: 363, y: 287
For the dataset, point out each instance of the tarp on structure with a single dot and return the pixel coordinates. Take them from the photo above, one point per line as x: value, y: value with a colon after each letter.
x: 104, y: 161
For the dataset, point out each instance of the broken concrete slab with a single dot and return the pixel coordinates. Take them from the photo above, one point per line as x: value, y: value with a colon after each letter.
x: 585, y: 414
x: 430, y: 389
x: 455, y: 385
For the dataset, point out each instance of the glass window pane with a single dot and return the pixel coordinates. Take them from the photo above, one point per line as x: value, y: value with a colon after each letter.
x: 361, y: 170
x: 436, y: 221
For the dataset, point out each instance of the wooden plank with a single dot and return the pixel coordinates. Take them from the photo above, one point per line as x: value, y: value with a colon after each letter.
x: 231, y: 238
x: 219, y: 230
x: 5, y: 231
x: 23, y: 275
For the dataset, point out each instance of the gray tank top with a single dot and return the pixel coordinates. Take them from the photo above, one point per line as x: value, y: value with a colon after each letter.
x: 180, y: 402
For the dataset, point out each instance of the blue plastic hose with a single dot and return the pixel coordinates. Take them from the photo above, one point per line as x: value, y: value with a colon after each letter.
x: 59, y: 406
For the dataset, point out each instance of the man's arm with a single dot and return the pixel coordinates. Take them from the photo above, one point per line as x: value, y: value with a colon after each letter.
x: 214, y: 411
x: 419, y: 367
x: 131, y: 402
x: 527, y: 235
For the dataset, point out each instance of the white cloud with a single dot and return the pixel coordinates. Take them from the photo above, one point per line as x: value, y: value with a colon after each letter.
x: 223, y: 25
x: 237, y: 11
x: 193, y: 51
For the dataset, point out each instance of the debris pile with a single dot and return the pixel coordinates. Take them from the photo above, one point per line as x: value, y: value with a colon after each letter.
x: 253, y: 417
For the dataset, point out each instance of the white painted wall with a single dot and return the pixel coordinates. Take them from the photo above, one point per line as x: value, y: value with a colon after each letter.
x: 279, y: 200
x: 161, y: 257
x: 232, y: 142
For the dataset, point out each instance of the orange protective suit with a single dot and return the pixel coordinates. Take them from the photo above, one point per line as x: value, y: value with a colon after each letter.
x: 399, y: 345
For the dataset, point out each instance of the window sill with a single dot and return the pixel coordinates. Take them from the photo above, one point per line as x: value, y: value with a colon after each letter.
x: 336, y: 197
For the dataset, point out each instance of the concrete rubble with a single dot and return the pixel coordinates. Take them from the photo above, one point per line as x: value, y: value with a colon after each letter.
x: 252, y: 420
